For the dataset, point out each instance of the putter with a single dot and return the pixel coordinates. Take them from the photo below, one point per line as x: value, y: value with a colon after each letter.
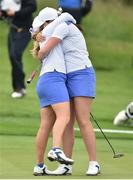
x: 115, y: 155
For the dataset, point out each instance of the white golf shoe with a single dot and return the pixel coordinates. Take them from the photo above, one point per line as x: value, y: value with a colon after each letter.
x: 38, y: 171
x: 63, y: 169
x: 120, y: 118
x: 93, y: 169
x: 58, y: 155
x: 18, y: 94
x: 129, y: 110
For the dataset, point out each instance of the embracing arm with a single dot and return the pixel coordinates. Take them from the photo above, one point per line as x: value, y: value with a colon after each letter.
x: 64, y: 17
x: 50, y: 44
x: 58, y: 35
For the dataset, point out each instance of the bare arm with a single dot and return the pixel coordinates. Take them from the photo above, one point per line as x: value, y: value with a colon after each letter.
x: 50, y: 44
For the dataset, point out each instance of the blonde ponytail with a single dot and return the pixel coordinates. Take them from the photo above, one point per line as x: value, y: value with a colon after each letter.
x: 35, y: 49
x: 36, y: 46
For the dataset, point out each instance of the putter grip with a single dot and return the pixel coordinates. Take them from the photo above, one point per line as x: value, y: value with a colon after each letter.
x: 31, y: 77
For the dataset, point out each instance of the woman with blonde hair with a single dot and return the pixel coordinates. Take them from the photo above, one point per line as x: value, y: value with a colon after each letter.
x: 54, y: 98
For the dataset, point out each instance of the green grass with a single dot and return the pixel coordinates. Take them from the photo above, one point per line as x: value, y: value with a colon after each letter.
x: 112, y: 58
x: 109, y: 36
x: 18, y: 159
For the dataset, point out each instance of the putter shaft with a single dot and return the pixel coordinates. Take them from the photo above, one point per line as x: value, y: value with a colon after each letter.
x: 114, y: 153
x: 34, y: 73
x: 31, y: 77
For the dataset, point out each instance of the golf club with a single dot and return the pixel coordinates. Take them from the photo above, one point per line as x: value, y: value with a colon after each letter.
x: 33, y: 74
x: 115, y: 155
x: 11, y: 24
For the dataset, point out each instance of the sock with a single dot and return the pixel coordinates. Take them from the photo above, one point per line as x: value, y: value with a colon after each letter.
x: 40, y: 165
x: 56, y: 148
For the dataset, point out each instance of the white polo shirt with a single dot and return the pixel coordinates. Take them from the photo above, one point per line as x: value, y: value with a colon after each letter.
x: 54, y: 60
x: 74, y: 47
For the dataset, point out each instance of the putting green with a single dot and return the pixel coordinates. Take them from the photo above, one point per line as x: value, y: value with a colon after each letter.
x: 17, y: 159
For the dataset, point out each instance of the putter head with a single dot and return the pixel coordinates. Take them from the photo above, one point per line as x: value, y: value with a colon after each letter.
x: 118, y: 155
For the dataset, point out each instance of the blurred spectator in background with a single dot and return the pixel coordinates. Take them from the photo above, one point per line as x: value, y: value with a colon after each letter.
x: 19, y: 15
x: 124, y: 115
x: 77, y: 8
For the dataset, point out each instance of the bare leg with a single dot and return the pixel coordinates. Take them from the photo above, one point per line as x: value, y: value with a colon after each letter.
x: 68, y: 136
x: 82, y: 110
x: 47, y: 121
x: 62, y: 111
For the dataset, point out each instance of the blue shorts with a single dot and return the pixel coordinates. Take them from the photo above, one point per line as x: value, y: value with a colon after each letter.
x: 82, y: 83
x: 51, y: 88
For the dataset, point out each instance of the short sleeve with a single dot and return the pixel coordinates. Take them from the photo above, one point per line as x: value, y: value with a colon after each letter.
x: 61, y: 31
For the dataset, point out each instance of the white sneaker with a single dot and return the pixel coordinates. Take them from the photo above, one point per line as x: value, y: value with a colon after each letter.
x: 94, y: 169
x: 38, y: 171
x: 120, y: 118
x: 129, y: 110
x: 63, y: 169
x: 17, y: 95
x: 58, y: 155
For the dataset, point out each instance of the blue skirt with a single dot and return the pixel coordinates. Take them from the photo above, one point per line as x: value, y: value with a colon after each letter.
x: 82, y: 83
x: 51, y: 88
